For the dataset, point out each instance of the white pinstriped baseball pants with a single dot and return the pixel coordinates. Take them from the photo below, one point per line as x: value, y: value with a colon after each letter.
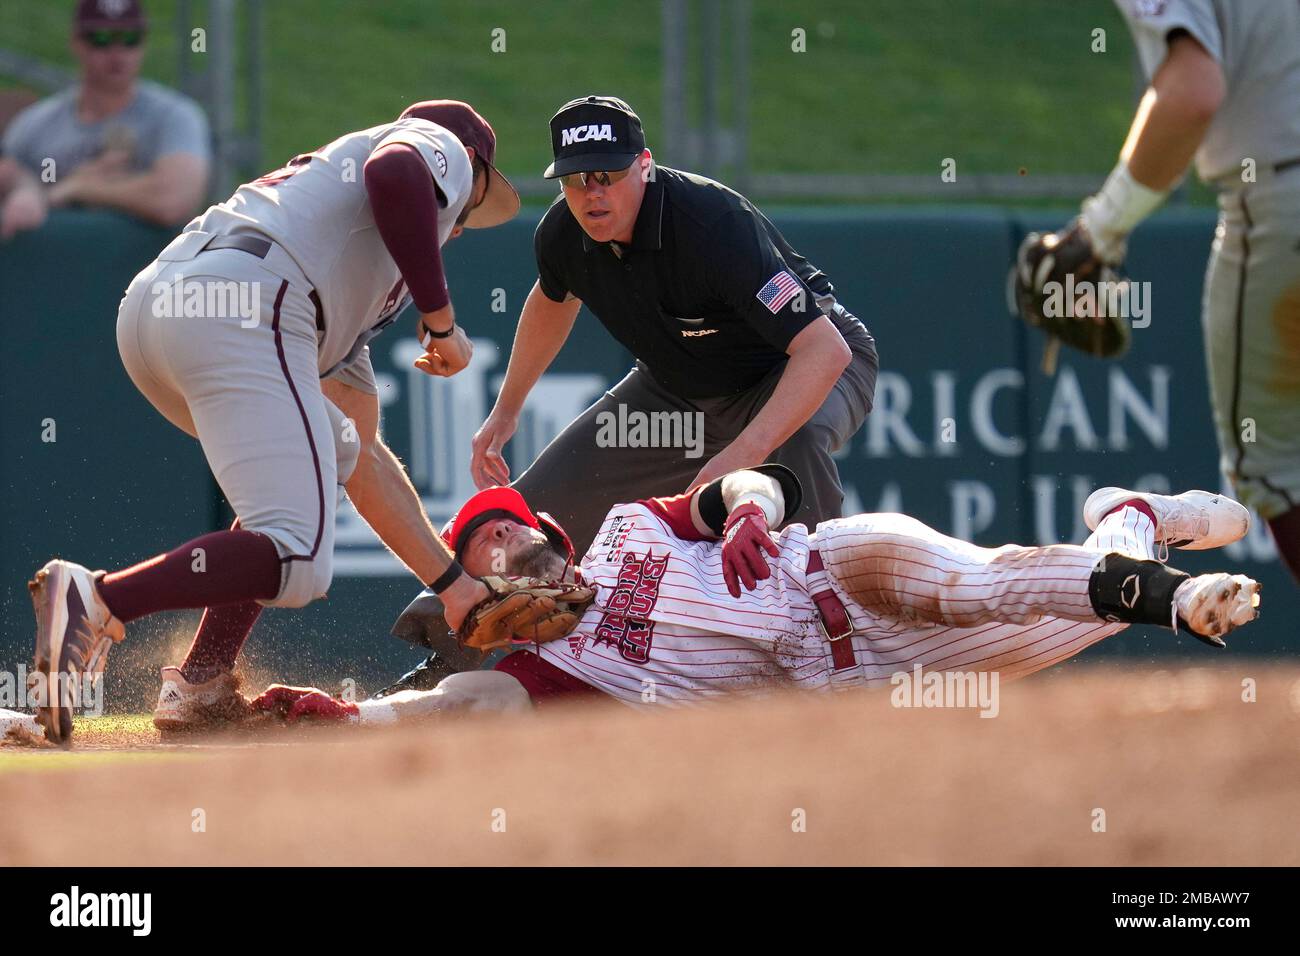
x: 920, y: 597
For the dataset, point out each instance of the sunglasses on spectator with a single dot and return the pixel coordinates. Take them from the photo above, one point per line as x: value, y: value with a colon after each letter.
x: 575, y: 180
x: 102, y: 39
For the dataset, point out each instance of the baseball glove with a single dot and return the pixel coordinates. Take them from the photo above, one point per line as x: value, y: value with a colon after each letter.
x: 523, y: 610
x: 1074, y: 310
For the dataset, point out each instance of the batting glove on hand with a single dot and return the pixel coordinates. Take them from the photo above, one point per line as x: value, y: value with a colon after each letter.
x: 744, y: 539
x: 291, y: 704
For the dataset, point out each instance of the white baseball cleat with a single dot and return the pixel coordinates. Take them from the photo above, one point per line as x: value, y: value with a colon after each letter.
x: 1193, y: 521
x: 1211, y: 605
x: 184, y: 707
x: 74, y: 631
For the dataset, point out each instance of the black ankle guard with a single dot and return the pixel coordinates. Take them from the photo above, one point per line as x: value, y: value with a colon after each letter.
x: 1134, y: 591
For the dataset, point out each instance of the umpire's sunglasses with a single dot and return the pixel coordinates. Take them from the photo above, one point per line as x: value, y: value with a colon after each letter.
x: 102, y: 39
x: 608, y: 178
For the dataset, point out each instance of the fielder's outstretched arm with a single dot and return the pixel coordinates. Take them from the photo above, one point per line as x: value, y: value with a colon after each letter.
x: 384, y: 496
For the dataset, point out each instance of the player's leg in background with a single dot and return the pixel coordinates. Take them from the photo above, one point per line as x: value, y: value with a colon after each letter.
x: 601, y: 458
x: 1013, y: 650
x: 219, y: 638
x: 1251, y: 317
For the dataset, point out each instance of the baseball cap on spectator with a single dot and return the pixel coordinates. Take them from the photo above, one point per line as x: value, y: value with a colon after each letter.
x: 594, y: 134
x: 500, y: 202
x: 110, y: 15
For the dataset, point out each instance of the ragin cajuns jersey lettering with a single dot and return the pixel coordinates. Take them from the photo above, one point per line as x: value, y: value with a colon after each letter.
x: 626, y: 623
x: 663, y: 626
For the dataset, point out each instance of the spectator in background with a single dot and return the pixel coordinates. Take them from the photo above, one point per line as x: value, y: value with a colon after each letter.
x: 113, y: 140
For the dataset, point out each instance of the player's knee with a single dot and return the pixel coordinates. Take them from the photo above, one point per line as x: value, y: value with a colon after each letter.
x: 303, y: 580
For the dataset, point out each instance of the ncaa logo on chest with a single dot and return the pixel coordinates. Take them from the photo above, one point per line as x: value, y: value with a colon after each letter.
x: 583, y: 134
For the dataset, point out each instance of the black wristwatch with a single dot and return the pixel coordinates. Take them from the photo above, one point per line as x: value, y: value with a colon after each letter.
x: 436, y: 335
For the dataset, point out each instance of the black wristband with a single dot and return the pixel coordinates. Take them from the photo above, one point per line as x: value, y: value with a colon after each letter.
x: 447, y: 578
x: 438, y: 335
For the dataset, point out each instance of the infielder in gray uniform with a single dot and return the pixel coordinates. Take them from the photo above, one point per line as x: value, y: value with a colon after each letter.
x: 1225, y: 87
x: 249, y: 332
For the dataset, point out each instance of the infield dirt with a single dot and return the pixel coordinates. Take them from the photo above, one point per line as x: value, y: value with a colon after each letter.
x: 1178, y: 767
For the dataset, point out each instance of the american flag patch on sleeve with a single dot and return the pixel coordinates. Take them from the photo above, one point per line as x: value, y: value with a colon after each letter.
x: 778, y: 290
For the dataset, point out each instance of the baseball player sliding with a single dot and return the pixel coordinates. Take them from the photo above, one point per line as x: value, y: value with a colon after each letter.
x: 1225, y: 88
x: 694, y: 597
x: 250, y: 333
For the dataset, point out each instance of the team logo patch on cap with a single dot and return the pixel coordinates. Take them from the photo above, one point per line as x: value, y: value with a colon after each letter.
x: 441, y: 160
x: 778, y: 290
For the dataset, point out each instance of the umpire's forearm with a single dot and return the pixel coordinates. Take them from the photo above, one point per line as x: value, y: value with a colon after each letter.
x: 384, y: 496
x: 544, y: 325
x: 818, y: 355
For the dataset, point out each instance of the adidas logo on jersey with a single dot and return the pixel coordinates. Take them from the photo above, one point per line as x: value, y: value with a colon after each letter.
x: 582, y: 134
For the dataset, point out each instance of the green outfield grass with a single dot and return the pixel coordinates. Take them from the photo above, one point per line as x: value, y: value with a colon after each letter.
x: 886, y: 86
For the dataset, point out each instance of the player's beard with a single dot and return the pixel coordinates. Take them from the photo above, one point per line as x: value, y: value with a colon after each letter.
x: 538, y: 560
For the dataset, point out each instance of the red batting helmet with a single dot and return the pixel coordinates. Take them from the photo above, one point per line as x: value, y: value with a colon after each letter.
x: 502, y: 502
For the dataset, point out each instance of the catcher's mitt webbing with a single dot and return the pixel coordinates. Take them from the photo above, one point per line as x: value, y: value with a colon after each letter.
x: 521, y: 610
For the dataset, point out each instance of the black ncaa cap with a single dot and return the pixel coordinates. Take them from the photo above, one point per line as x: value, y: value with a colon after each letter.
x: 594, y: 134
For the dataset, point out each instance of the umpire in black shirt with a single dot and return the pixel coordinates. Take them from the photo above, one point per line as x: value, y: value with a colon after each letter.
x: 728, y: 324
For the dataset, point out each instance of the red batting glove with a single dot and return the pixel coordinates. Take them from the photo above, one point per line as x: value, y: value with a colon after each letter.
x: 744, y: 539
x: 294, y: 703
x: 321, y: 706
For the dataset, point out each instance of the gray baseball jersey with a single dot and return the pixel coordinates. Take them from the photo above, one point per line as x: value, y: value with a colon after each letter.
x: 316, y: 208
x: 1257, y: 44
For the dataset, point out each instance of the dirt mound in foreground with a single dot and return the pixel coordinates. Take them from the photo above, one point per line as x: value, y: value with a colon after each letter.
x: 1184, y: 771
